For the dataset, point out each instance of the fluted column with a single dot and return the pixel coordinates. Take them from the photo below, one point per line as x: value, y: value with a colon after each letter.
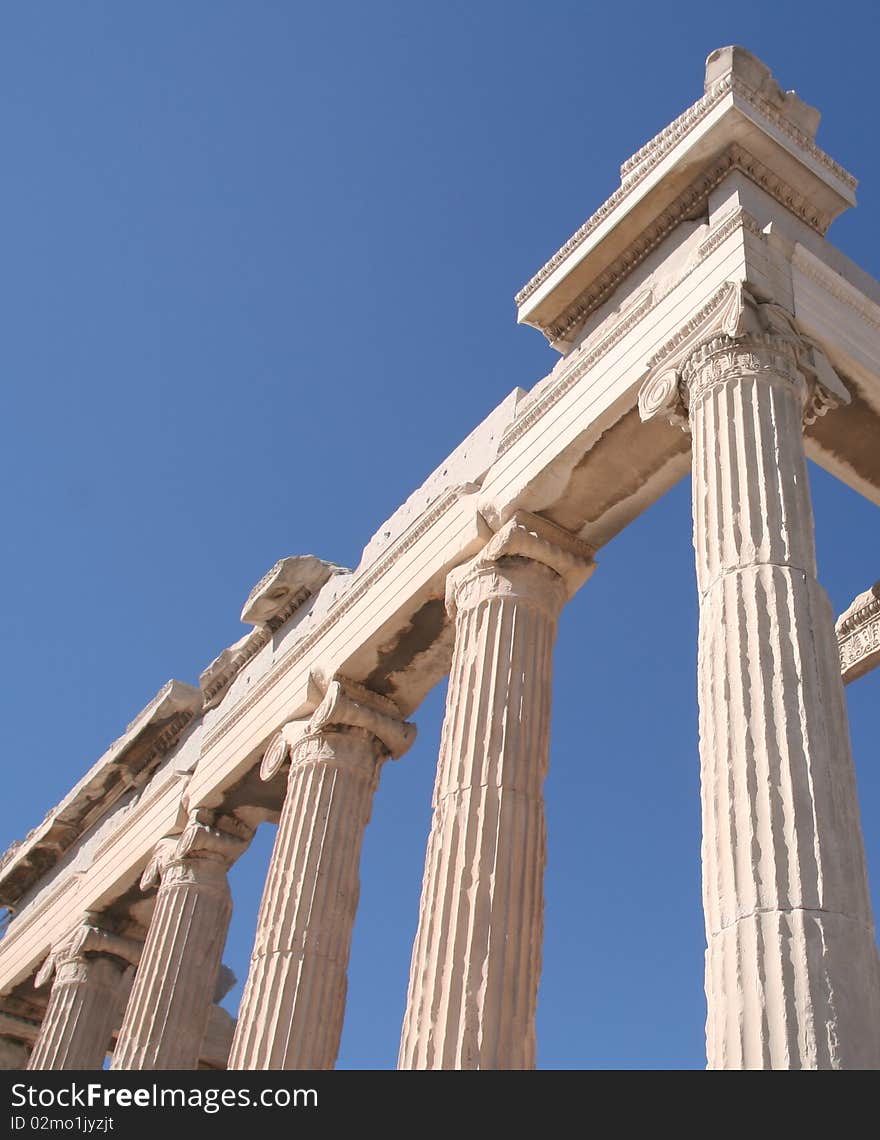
x: 167, y: 1014
x: 85, y: 1005
x: 294, y: 1001
x: 477, y: 955
x: 791, y: 965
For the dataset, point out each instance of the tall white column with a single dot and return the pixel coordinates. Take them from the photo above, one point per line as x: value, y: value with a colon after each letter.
x: 791, y: 967
x: 477, y: 956
x: 167, y: 1014
x: 85, y: 1005
x: 294, y: 1001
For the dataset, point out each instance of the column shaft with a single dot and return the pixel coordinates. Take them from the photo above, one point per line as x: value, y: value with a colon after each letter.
x: 791, y: 965
x: 85, y: 1005
x: 167, y: 1014
x: 477, y: 955
x: 294, y: 1001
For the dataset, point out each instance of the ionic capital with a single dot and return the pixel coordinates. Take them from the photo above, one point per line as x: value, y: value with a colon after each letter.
x: 534, y: 540
x: 88, y: 939
x: 732, y: 336
x: 345, y: 705
x: 204, y: 840
x: 724, y: 359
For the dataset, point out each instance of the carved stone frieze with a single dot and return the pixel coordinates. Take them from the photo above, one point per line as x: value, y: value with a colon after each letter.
x: 858, y: 635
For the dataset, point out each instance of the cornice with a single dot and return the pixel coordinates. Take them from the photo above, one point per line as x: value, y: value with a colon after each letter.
x: 285, y: 588
x: 219, y: 675
x: 860, y: 610
x: 641, y: 164
x: 688, y: 205
x: 647, y: 156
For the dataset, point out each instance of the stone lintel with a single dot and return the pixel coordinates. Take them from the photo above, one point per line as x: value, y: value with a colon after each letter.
x: 858, y: 635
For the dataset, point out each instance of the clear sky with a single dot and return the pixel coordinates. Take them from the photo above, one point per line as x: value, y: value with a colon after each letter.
x: 258, y: 269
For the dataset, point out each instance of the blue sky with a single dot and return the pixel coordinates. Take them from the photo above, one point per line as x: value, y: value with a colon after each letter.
x: 259, y: 262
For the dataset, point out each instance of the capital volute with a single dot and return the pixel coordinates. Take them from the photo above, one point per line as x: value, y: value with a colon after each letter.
x: 161, y: 857
x: 278, y: 749
x: 88, y: 939
x: 348, y: 704
x: 345, y: 704
x: 534, y: 539
x: 210, y: 836
x: 736, y: 334
x: 205, y: 838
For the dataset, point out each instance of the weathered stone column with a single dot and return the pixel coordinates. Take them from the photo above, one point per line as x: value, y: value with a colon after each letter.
x: 791, y: 965
x: 85, y: 1005
x: 167, y: 1013
x: 477, y: 955
x: 294, y: 1001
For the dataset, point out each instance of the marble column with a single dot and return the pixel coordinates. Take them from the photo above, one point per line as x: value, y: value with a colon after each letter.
x: 294, y: 1001
x: 791, y: 966
x: 167, y: 1014
x: 90, y: 984
x: 477, y: 955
